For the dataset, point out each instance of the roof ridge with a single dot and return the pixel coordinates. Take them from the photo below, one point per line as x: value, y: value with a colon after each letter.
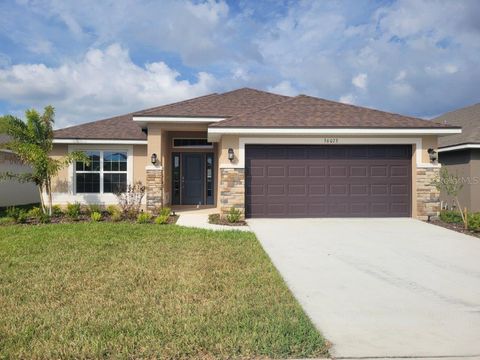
x: 252, y: 89
x: 362, y: 107
x: 176, y: 103
x: 289, y: 98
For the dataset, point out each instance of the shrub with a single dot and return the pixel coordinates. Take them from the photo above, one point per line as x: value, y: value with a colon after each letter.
x: 165, y: 211
x: 18, y: 215
x: 7, y: 221
x: 162, y: 219
x: 57, y: 211
x: 474, y: 222
x: 112, y: 209
x: 96, y: 216
x: 45, y: 218
x: 35, y: 213
x: 130, y: 201
x: 73, y: 211
x: 144, y: 218
x: 234, y: 215
x: 94, y: 208
x: 451, y: 216
x: 116, y: 216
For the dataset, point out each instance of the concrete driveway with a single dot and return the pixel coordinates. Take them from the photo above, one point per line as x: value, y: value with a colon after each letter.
x: 381, y: 287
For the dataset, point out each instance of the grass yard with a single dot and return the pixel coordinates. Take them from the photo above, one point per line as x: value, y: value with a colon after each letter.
x: 103, y: 290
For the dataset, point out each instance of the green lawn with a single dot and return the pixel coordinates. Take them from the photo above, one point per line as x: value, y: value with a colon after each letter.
x: 92, y: 290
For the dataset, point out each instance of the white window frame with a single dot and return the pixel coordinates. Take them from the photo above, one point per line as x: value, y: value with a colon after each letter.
x: 101, y: 172
x: 191, y: 147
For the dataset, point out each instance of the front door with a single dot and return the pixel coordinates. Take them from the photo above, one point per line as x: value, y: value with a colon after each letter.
x: 192, y: 178
x: 193, y: 175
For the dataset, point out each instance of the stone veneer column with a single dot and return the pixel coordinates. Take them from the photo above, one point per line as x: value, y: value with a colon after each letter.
x: 232, y: 190
x: 154, y: 188
x: 428, y: 197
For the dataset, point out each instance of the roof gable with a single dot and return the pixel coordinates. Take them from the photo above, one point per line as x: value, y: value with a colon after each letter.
x: 223, y: 105
x: 468, y: 118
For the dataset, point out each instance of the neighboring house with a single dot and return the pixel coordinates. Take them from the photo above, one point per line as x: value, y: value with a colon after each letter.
x: 460, y: 153
x: 11, y: 191
x: 266, y: 154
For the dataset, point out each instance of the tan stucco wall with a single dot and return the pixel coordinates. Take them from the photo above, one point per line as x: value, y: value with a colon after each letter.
x: 60, y: 183
x: 140, y: 161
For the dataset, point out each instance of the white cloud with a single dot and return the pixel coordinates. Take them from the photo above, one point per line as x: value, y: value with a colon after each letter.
x: 360, y: 81
x: 347, y: 99
x: 103, y: 83
x: 284, y: 88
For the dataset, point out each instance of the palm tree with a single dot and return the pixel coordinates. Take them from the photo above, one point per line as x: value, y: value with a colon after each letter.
x: 32, y: 142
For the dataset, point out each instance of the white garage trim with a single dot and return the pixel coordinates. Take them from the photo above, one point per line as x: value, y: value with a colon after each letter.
x: 325, y: 141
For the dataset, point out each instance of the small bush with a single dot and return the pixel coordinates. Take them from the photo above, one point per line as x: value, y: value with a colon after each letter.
x: 7, y: 221
x: 44, y: 218
x: 94, y: 208
x: 112, y: 209
x: 162, y: 219
x: 450, y: 216
x: 474, y: 222
x: 96, y: 216
x: 57, y: 211
x: 19, y: 215
x: 73, y: 211
x: 165, y: 211
x: 144, y: 218
x: 35, y: 213
x: 214, y: 218
x: 116, y: 216
x: 130, y: 201
x: 234, y: 215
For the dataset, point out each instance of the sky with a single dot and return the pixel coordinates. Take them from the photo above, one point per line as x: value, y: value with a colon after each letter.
x: 94, y: 59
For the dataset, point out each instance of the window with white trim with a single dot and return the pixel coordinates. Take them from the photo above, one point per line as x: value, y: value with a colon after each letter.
x: 106, y: 172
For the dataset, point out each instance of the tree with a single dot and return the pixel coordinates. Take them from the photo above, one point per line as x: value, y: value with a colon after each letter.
x: 32, y: 142
x: 451, y: 185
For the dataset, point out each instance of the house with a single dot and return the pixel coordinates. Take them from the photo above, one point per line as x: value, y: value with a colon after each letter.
x: 11, y: 191
x: 269, y: 155
x: 460, y: 153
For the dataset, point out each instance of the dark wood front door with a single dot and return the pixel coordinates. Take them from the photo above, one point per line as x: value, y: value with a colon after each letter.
x: 328, y: 181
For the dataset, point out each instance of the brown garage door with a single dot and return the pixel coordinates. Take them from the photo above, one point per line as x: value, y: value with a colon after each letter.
x: 328, y: 181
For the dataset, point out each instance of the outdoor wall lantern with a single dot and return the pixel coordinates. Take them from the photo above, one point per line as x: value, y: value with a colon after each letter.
x: 432, y: 154
x: 153, y: 159
x: 231, y: 155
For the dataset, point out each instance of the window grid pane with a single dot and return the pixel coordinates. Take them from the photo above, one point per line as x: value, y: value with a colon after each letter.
x: 114, y: 182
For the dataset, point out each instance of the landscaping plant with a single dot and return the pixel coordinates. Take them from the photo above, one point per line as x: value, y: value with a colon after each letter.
x: 73, y: 211
x: 451, y: 185
x: 234, y: 215
x: 96, y: 216
x: 450, y: 216
x: 32, y: 142
x: 144, y: 218
x: 162, y: 219
x: 130, y: 201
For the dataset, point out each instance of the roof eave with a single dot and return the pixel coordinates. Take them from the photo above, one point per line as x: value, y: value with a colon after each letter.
x: 100, y: 141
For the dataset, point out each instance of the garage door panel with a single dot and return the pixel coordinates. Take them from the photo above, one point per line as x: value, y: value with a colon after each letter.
x: 328, y: 181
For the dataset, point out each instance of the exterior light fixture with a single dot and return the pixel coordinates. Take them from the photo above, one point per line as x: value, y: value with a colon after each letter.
x: 231, y: 154
x: 432, y: 154
x: 153, y: 159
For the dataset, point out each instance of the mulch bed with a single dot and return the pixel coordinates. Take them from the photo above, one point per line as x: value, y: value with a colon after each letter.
x: 216, y: 219
x: 454, y: 226
x: 86, y: 218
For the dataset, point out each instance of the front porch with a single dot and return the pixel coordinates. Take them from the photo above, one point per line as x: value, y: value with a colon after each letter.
x: 184, y: 170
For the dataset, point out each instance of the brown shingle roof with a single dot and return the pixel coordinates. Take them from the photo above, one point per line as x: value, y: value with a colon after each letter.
x: 228, y: 104
x: 308, y: 111
x: 468, y: 118
x: 116, y: 128
x: 249, y: 108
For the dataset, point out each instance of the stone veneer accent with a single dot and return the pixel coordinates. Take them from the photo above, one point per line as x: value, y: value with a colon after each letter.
x: 232, y: 190
x: 428, y: 197
x: 154, y: 189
